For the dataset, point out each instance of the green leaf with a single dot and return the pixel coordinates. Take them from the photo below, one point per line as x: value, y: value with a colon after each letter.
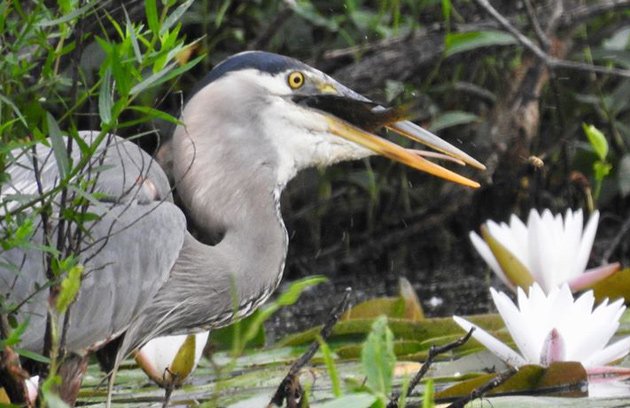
x: 357, y: 400
x: 15, y: 336
x: 597, y: 140
x: 70, y: 286
x: 447, y: 7
x: 308, y: 12
x: 614, y: 287
x: 333, y: 374
x: 224, y: 338
x: 291, y: 295
x: 105, y: 98
x: 462, y: 42
x: 32, y: 356
x: 450, y: 119
x: 378, y: 358
x: 427, y: 396
x: 164, y: 75
x: 175, y: 16
x: 156, y: 114
x: 67, y: 17
x: 58, y: 146
x: 601, y: 169
x: 150, y: 7
x: 13, y: 107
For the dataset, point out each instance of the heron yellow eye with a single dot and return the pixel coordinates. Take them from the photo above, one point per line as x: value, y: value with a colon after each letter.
x: 296, y: 79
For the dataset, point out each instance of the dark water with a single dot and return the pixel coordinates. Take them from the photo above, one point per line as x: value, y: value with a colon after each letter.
x: 442, y: 292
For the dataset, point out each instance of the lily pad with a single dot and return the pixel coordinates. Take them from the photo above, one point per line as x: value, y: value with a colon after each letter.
x: 567, y: 379
x: 405, y: 306
x: 614, y: 287
x: 357, y: 329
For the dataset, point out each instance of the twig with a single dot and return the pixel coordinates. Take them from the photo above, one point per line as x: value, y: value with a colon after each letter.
x: 625, y: 227
x: 289, y: 383
x: 550, y: 61
x: 479, y: 392
x: 585, y: 12
x: 540, y: 33
x: 434, y: 351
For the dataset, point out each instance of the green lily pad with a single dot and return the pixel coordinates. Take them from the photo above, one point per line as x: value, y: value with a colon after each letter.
x: 392, y: 307
x: 567, y: 379
x: 406, y: 306
x: 614, y: 287
x: 401, y: 348
x: 357, y: 329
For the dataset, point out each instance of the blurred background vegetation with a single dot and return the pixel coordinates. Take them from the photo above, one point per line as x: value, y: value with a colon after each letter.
x: 364, y: 224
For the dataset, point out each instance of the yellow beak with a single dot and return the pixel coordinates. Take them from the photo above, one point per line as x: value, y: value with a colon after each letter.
x: 405, y: 156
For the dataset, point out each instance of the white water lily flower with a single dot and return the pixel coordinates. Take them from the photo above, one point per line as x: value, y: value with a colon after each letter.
x: 552, y: 249
x: 555, y: 327
x: 168, y: 360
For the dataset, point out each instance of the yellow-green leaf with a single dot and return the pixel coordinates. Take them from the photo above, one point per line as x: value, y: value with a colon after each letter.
x: 378, y: 358
x: 614, y: 287
x: 70, y: 286
x: 184, y: 360
x: 597, y: 140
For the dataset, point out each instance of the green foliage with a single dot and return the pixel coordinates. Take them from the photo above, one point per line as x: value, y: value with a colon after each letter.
x: 330, y: 367
x: 47, y: 86
x: 462, y: 42
x: 427, y: 396
x: 70, y: 286
x: 378, y: 360
x: 601, y: 166
x: 250, y: 331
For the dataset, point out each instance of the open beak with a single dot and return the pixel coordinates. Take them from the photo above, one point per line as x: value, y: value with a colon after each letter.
x: 409, y: 157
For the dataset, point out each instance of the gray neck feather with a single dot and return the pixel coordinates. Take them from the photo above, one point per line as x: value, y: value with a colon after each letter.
x: 227, y: 180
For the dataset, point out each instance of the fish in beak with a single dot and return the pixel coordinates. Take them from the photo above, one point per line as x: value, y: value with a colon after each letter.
x: 356, y: 120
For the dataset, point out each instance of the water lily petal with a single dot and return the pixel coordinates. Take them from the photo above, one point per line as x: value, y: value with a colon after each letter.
x: 584, y: 251
x: 553, y: 348
x: 493, y: 344
x: 611, y: 353
x: 592, y: 276
x: 519, y: 232
x: 484, y: 250
x: 505, y: 235
x: 523, y: 334
x: 571, y: 238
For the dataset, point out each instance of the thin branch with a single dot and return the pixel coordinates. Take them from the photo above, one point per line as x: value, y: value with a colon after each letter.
x: 586, y: 12
x: 479, y: 392
x: 289, y: 382
x: 434, y: 351
x: 533, y: 20
x: 549, y: 60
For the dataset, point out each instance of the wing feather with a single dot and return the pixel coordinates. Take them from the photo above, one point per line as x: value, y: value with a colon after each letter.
x: 127, y: 252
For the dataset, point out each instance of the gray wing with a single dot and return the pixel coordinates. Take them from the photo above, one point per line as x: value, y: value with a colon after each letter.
x: 127, y: 251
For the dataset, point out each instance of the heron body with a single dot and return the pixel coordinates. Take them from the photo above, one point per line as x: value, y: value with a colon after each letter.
x: 251, y: 125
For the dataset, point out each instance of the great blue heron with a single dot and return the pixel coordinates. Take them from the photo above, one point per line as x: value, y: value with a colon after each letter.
x: 253, y: 123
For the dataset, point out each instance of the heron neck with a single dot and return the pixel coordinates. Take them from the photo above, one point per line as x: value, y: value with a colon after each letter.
x: 231, y: 193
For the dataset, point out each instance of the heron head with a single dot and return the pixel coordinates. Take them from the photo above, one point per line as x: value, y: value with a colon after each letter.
x: 313, y: 120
